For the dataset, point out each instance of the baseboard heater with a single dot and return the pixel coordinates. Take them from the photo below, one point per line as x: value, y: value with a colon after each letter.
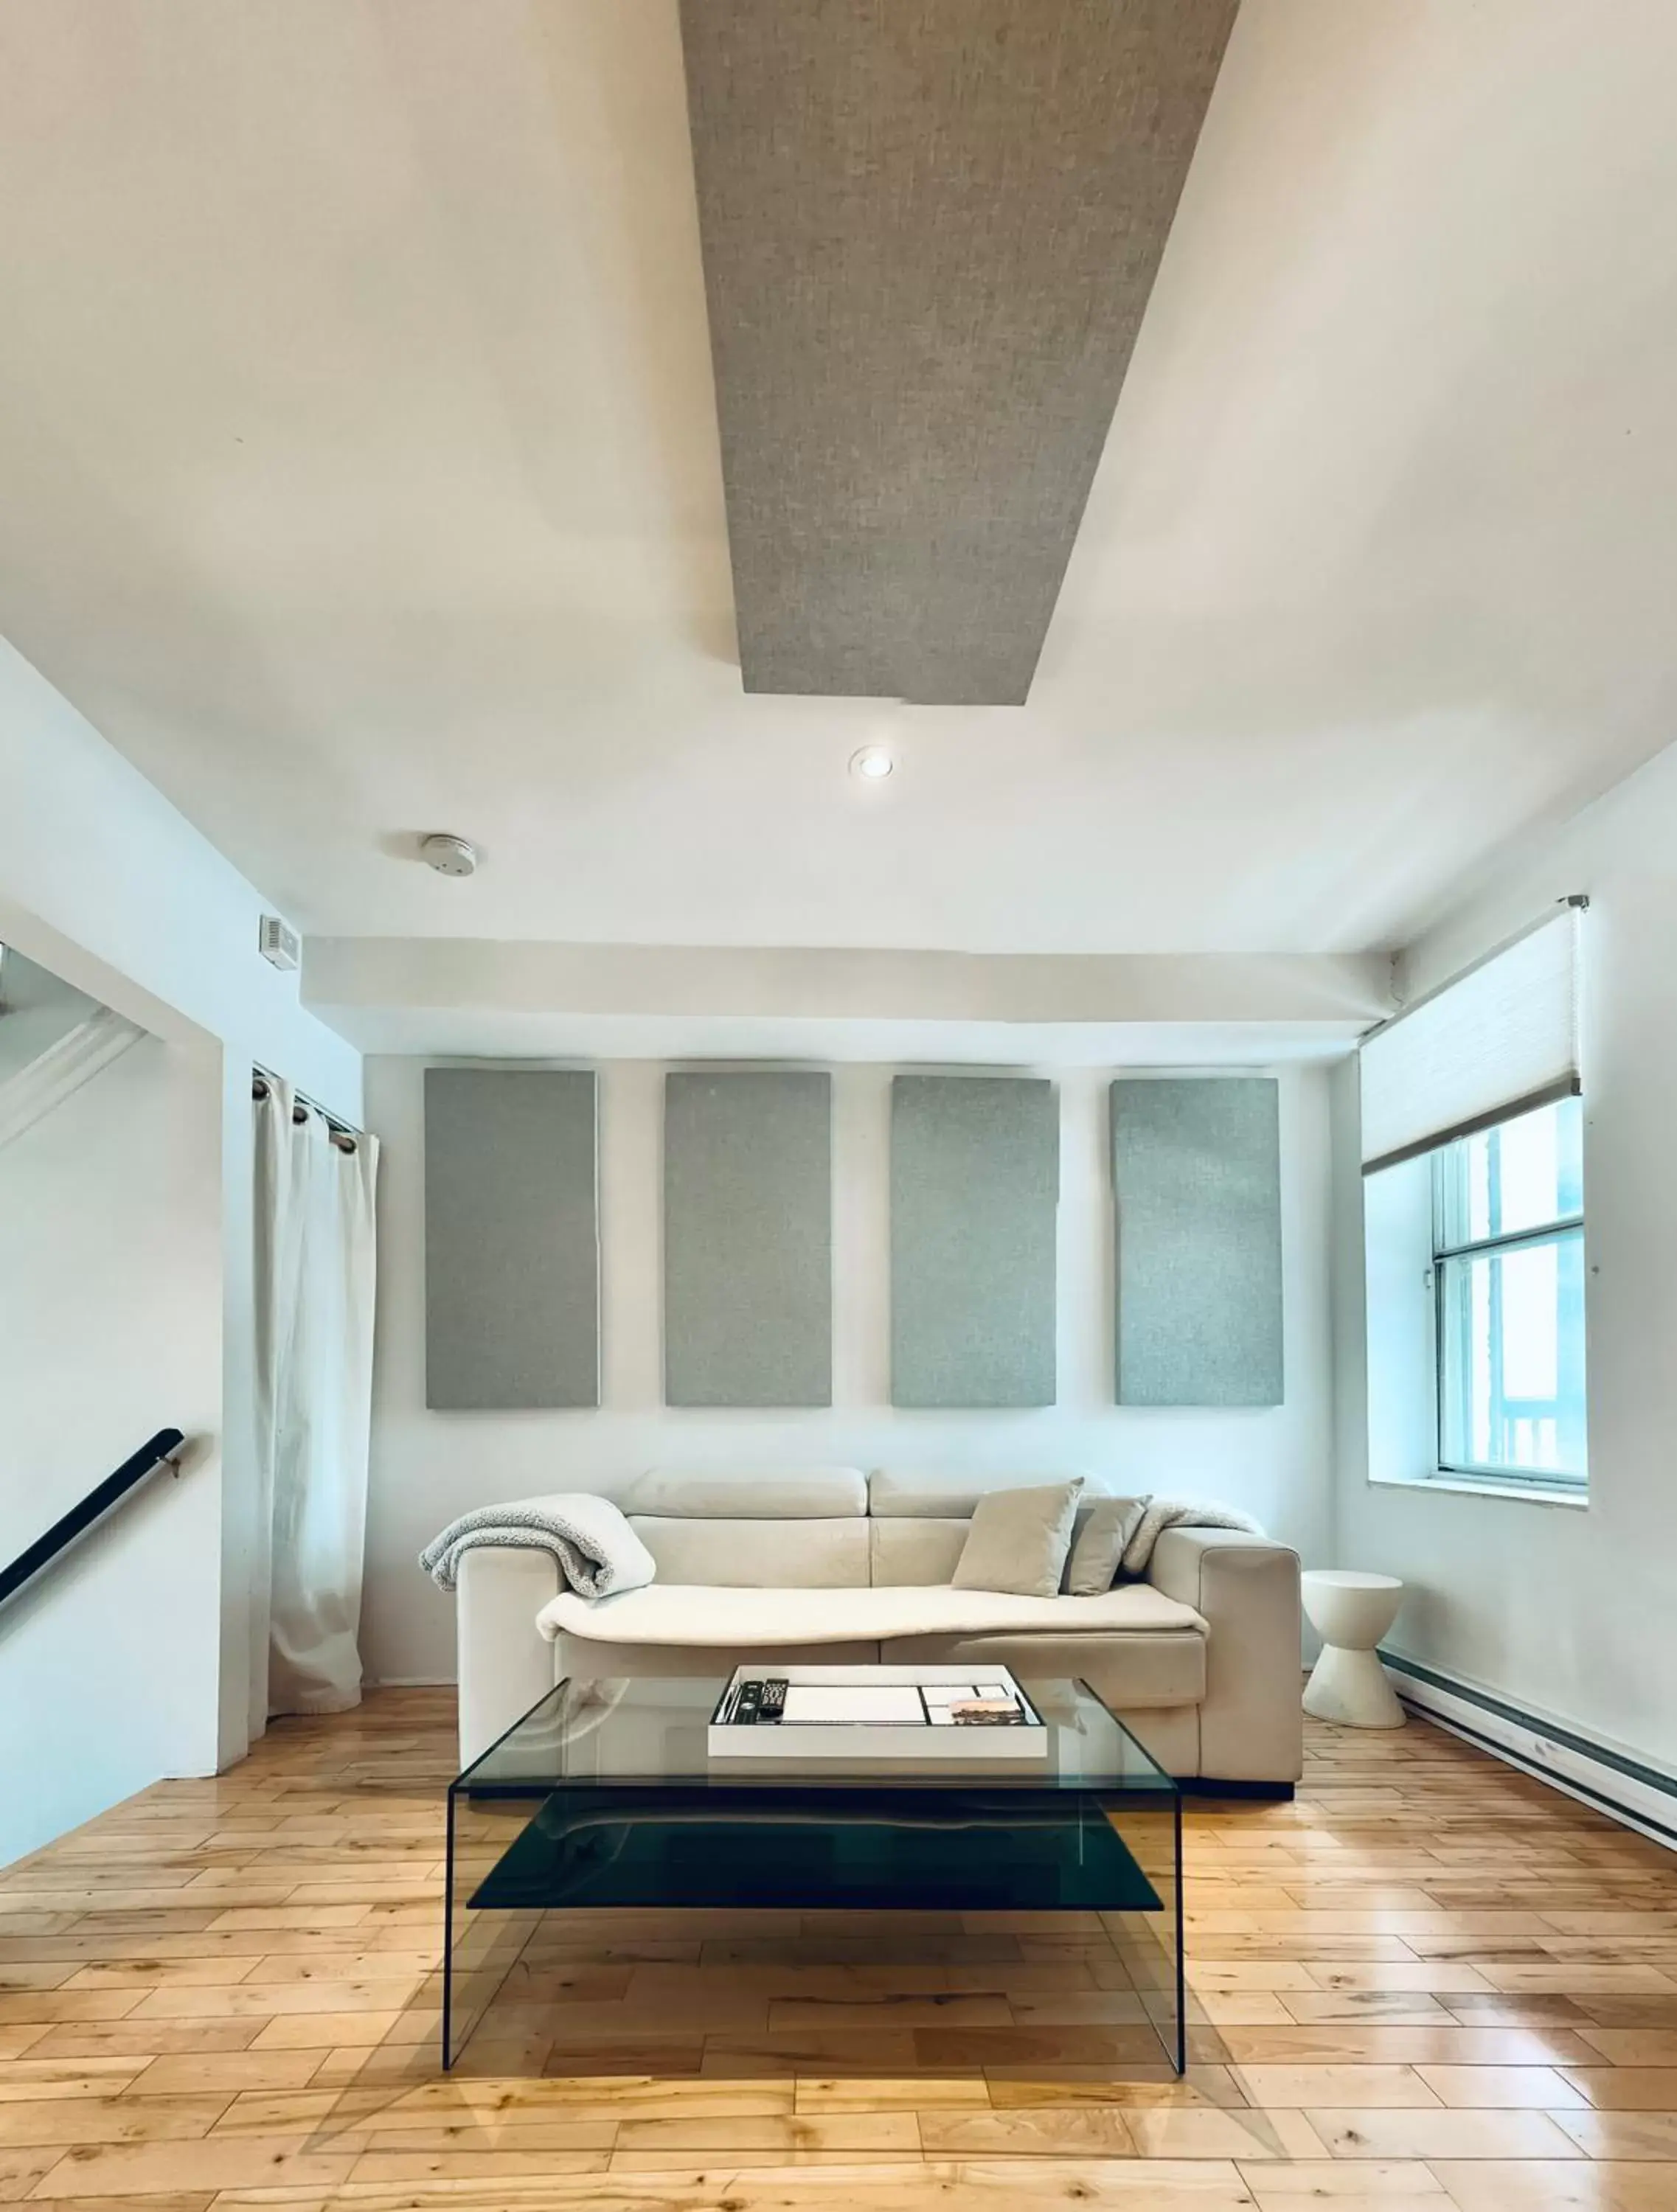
x: 1640, y: 1796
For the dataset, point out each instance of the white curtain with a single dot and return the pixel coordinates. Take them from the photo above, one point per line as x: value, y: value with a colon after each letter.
x: 315, y: 1283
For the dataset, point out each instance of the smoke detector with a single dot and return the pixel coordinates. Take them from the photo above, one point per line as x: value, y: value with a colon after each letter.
x: 448, y: 855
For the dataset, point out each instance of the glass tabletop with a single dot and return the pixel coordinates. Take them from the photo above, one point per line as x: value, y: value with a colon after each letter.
x: 613, y: 1733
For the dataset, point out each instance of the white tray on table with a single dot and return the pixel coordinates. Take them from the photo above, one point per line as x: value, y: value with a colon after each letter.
x: 891, y: 1731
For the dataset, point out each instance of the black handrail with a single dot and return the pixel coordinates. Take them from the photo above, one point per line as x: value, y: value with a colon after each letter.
x: 157, y: 1452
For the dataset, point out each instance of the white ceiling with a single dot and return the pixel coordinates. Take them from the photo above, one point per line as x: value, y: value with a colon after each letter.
x: 358, y: 478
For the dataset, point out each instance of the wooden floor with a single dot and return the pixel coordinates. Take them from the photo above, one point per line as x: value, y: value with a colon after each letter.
x: 1428, y: 1984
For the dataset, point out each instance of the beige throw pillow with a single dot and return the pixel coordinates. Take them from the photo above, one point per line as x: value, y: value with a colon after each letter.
x: 1108, y: 1526
x: 1018, y: 1541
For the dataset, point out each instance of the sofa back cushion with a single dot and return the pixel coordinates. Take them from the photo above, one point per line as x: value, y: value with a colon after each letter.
x: 901, y: 1502
x: 757, y: 1555
x: 914, y: 1552
x: 813, y: 1528
x: 790, y: 1493
x: 947, y: 1495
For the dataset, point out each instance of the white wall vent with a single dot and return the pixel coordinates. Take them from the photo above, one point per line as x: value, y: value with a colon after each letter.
x: 278, y: 942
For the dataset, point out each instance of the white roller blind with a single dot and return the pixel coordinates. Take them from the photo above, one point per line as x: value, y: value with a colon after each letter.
x: 1505, y: 1035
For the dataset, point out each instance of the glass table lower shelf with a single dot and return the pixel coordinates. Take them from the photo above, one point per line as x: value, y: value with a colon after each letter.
x: 603, y: 1799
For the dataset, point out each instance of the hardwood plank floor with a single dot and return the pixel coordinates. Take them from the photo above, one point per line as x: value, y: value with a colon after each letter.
x: 1428, y: 1985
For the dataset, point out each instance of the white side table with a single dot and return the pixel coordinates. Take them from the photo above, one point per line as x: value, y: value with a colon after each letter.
x: 1351, y: 1612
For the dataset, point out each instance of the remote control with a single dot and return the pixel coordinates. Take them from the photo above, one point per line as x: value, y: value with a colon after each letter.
x: 773, y: 1700
x: 750, y: 1705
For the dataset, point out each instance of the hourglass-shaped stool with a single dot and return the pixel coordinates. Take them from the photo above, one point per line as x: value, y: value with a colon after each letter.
x: 1351, y: 1612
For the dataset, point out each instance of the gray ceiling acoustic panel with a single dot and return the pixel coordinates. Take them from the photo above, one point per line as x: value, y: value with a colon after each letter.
x: 975, y: 1221
x: 512, y: 1238
x: 930, y: 230
x: 748, y: 1238
x: 1196, y: 1169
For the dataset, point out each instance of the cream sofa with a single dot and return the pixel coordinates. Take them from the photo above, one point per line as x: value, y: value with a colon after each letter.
x: 1202, y: 1658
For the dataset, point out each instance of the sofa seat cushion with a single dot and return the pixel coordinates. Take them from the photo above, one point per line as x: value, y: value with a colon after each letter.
x: 758, y: 1619
x: 577, y: 1656
x: 1143, y: 1670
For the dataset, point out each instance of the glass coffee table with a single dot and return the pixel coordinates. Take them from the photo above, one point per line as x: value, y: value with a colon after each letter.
x: 605, y: 1795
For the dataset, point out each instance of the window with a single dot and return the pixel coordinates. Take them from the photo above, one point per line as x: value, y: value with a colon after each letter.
x: 1508, y: 1282
x: 1473, y: 1222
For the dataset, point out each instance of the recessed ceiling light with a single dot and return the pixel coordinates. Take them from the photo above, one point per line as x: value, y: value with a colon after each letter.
x: 873, y: 763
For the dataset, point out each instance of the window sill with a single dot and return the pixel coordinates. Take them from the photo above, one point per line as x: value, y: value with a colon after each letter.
x: 1528, y: 1493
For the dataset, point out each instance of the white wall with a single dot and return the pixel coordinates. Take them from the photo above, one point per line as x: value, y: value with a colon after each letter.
x: 110, y: 1329
x: 428, y: 1467
x: 36, y: 1009
x: 1569, y: 1614
x: 104, y: 882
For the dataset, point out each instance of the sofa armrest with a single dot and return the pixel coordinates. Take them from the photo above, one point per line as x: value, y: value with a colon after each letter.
x: 504, y: 1663
x: 1252, y: 1723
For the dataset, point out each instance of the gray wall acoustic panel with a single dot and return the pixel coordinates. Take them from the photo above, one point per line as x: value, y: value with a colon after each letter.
x: 748, y: 1239
x: 930, y: 229
x: 512, y: 1238
x: 975, y: 1207
x: 1196, y: 1169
